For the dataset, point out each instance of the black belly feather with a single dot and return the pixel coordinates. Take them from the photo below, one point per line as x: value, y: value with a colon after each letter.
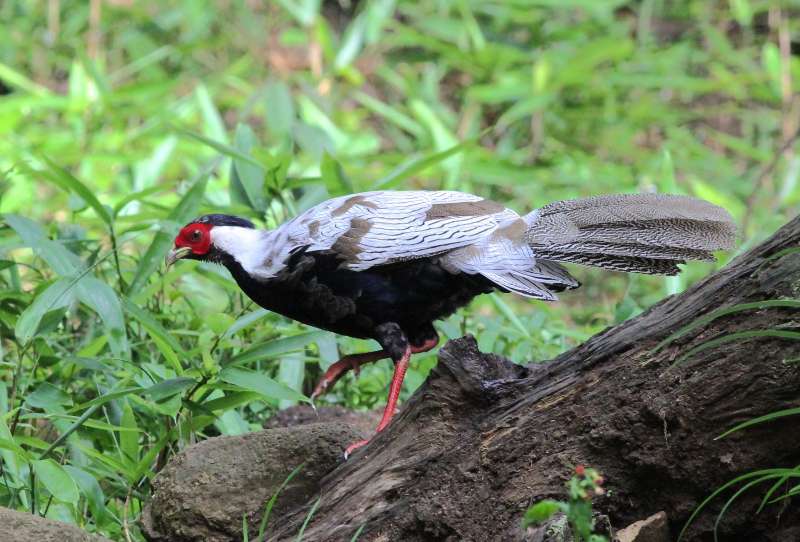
x: 314, y: 289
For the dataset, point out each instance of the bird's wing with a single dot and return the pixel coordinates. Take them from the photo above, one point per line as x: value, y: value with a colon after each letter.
x: 377, y: 228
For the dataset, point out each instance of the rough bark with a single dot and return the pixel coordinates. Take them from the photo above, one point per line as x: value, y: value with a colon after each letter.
x: 483, y: 438
x: 205, y: 493
x: 22, y: 527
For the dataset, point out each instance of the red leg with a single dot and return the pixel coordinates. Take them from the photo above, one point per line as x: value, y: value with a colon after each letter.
x: 394, y: 393
x: 430, y: 344
x: 337, y: 370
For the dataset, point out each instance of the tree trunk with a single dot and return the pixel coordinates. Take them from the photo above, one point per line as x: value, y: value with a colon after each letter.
x: 484, y: 438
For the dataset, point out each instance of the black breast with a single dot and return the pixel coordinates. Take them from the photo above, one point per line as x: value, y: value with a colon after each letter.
x: 315, y: 290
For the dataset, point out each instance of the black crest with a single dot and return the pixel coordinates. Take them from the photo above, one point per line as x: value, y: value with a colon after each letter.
x: 224, y: 220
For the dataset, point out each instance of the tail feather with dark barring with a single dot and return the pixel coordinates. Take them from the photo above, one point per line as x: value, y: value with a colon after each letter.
x: 639, y: 233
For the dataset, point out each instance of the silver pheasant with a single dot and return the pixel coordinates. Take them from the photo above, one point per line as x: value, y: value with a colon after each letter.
x: 385, y: 265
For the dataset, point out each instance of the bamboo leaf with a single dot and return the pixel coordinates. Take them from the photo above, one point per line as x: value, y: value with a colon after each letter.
x: 66, y: 181
x: 56, y: 480
x: 260, y: 383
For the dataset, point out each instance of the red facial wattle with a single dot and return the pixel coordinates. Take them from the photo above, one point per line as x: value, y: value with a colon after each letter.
x: 195, y: 236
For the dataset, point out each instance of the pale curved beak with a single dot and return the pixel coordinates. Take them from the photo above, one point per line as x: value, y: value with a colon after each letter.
x: 176, y: 254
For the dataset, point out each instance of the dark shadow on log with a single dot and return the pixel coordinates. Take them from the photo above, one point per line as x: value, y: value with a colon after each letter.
x: 483, y: 438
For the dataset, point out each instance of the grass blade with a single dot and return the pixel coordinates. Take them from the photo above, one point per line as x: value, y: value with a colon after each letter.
x: 271, y: 502
x: 710, y: 317
x: 738, y: 336
x: 761, y: 419
x: 308, y: 520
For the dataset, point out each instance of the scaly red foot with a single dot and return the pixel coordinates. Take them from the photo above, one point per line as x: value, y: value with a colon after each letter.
x: 353, y: 447
x: 354, y: 362
x: 337, y: 370
x: 391, y: 405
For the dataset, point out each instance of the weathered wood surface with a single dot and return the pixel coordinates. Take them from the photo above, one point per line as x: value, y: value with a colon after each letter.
x: 483, y: 438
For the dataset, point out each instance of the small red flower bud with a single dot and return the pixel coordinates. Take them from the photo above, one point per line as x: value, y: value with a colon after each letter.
x: 580, y: 470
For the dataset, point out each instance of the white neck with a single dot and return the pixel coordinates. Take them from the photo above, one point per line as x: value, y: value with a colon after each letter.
x: 247, y: 246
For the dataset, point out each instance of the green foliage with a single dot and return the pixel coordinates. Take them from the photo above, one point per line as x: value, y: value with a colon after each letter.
x: 115, y: 133
x: 785, y: 481
x: 780, y: 477
x: 577, y: 510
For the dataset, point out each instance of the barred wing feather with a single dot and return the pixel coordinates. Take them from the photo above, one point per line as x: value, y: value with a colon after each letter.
x: 378, y: 228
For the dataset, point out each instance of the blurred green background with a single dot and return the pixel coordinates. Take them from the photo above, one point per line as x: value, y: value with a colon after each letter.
x: 121, y: 120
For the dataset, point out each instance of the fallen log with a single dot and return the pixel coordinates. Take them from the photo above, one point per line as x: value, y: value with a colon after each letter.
x: 484, y: 438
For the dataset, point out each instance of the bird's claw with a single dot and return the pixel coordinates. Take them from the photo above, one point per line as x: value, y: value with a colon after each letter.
x: 320, y: 389
x: 333, y: 374
x: 353, y: 447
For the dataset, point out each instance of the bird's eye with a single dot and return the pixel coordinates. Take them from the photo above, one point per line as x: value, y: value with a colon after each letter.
x: 196, y: 235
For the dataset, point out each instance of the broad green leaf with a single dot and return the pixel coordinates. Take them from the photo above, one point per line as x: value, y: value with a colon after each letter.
x: 185, y: 211
x: 140, y: 195
x: 58, y: 295
x: 244, y: 321
x: 168, y: 388
x: 279, y: 108
x: 390, y: 113
x: 7, y: 443
x: 94, y: 424
x: 305, y: 11
x: 150, y: 169
x: 111, y: 461
x: 61, y: 260
x: 742, y: 11
x: 104, y: 301
x: 222, y: 148
x: 418, y: 165
x: 260, y: 383
x: 166, y: 343
x: 276, y: 347
x: 247, y: 179
x: 334, y: 177
x: 56, y: 480
x: 722, y: 198
x: 291, y: 373
x: 145, y: 466
x: 17, y: 79
x: 106, y: 397
x: 212, y: 120
x: 48, y: 397
x: 92, y: 292
x: 542, y: 511
x: 231, y: 423
x: 91, y: 490
x: 509, y: 313
x: 443, y: 138
x: 129, y: 440
x: 231, y: 400
x: 66, y: 181
x: 352, y: 41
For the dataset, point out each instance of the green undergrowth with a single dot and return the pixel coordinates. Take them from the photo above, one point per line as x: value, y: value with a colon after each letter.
x: 120, y: 121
